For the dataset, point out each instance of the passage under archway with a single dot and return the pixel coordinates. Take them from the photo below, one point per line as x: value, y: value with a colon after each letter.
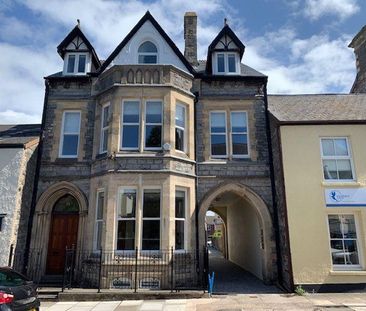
x: 63, y: 232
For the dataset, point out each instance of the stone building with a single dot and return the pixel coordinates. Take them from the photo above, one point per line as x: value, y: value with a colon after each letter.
x: 137, y: 148
x: 18, y: 160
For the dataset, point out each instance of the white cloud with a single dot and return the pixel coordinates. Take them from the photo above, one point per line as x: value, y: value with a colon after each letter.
x: 314, y: 9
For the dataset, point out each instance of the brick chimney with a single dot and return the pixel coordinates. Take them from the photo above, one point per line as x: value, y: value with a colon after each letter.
x: 190, y: 37
x: 359, y: 47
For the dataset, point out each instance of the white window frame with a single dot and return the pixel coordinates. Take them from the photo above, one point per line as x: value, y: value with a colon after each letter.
x: 185, y: 190
x: 73, y: 133
x: 348, y: 157
x: 181, y: 128
x: 104, y: 128
x: 148, y: 53
x: 99, y: 191
x: 224, y: 134
x: 120, y: 192
x: 135, y: 123
x: 345, y: 267
x: 161, y: 124
x: 76, y: 66
x: 226, y: 63
x: 150, y: 218
x: 239, y: 156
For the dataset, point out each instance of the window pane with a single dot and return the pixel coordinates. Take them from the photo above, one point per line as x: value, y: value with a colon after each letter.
x: 71, y: 122
x: 82, y: 62
x: 179, y: 139
x: 232, y: 63
x: 153, y: 136
x: 344, y: 169
x: 328, y: 147
x: 151, y: 203
x: 240, y: 144
x: 180, y: 204
x: 151, y: 235
x: 130, y: 137
x: 105, y: 140
x: 126, y: 235
x: 220, y: 63
x: 10, y: 279
x: 105, y: 116
x: 179, y: 234
x: 350, y: 252
x: 128, y: 204
x: 337, y: 252
x: 71, y: 63
x: 131, y: 112
x: 341, y: 147
x: 100, y: 205
x: 348, y: 226
x: 330, y: 169
x: 148, y: 59
x: 153, y: 112
x: 148, y: 47
x: 180, y: 113
x: 238, y: 122
x: 99, y: 227
x: 218, y: 144
x: 334, y: 227
x: 218, y: 122
x: 70, y: 145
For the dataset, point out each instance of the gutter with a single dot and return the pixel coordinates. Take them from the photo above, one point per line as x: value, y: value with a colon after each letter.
x: 35, y: 185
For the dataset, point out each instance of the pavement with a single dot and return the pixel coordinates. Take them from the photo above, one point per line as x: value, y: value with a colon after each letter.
x: 235, y: 302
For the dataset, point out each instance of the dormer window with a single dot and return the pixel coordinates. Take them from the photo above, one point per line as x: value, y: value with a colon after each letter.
x: 226, y: 63
x: 76, y: 63
x: 147, y: 53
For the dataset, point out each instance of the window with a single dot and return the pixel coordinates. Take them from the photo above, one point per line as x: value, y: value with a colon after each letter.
x: 343, y: 241
x: 180, y: 125
x: 226, y: 63
x: 153, y: 125
x: 180, y: 217
x: 2, y: 220
x: 147, y: 53
x: 239, y: 134
x: 99, y: 220
x: 76, y: 63
x: 336, y: 159
x: 130, y: 125
x: 104, y: 129
x: 126, y: 214
x: 218, y: 134
x: 151, y: 220
x: 70, y: 134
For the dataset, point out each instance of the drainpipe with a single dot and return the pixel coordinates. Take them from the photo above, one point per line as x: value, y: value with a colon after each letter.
x: 35, y: 184
x: 273, y: 189
x: 196, y: 168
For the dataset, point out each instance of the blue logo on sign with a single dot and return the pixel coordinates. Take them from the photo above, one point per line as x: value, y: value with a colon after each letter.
x: 334, y: 195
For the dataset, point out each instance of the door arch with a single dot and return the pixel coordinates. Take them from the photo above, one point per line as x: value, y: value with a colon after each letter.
x: 256, y: 203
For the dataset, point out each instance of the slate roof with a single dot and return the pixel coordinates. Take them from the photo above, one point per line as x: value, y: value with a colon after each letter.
x: 19, y: 134
x: 318, y: 108
x: 245, y: 71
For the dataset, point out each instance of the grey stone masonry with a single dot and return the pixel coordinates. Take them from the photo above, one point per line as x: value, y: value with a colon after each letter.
x: 190, y: 37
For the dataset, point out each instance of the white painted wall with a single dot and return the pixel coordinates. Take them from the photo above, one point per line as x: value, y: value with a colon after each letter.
x: 244, y: 239
x: 128, y: 55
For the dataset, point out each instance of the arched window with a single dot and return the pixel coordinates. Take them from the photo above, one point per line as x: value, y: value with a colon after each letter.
x: 148, y: 53
x: 65, y: 205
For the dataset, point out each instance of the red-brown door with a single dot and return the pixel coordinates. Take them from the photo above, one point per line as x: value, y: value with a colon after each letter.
x: 64, y: 231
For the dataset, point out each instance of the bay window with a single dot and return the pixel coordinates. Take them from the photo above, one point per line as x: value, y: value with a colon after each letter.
x: 104, y: 129
x: 151, y: 220
x: 70, y: 133
x: 126, y: 219
x: 180, y: 125
x: 180, y: 219
x: 153, y: 124
x: 336, y: 159
x: 99, y: 220
x: 218, y: 134
x: 343, y: 241
x: 130, y: 125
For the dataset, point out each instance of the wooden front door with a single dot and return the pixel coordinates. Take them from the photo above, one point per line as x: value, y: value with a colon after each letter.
x: 63, y: 233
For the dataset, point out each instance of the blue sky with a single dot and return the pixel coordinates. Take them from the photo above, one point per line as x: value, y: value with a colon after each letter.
x: 300, y: 45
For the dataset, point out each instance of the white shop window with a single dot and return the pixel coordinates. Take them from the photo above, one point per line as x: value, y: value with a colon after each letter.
x: 70, y: 134
x: 336, y: 159
x: 343, y: 242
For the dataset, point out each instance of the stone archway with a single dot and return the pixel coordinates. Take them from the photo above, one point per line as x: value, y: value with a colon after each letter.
x: 43, y: 217
x: 264, y: 218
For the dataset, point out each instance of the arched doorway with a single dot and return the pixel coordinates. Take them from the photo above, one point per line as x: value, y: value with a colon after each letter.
x: 63, y: 232
x: 249, y: 229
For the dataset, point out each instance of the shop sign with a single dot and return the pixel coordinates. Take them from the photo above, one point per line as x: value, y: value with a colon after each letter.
x: 345, y: 197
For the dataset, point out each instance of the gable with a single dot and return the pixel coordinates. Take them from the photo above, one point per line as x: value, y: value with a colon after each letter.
x: 226, y: 43
x: 76, y: 44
